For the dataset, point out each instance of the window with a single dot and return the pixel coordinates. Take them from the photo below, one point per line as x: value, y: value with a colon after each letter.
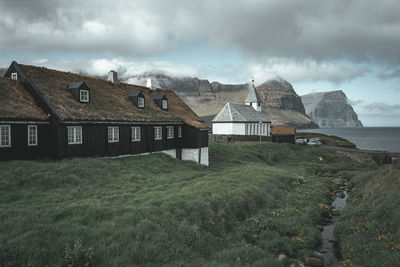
x: 5, y: 136
x: 74, y: 135
x: 165, y: 104
x: 179, y: 131
x: 141, y: 102
x: 84, y: 95
x: 32, y: 135
x: 157, y: 133
x: 170, y: 132
x: 135, y: 134
x: 14, y: 76
x: 113, y: 134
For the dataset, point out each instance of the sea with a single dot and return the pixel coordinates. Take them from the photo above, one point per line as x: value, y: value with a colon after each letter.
x: 369, y: 138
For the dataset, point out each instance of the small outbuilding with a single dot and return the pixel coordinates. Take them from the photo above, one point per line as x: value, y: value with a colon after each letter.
x: 283, y: 134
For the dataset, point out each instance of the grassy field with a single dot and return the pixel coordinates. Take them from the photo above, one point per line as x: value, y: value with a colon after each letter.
x: 369, y: 229
x: 253, y: 202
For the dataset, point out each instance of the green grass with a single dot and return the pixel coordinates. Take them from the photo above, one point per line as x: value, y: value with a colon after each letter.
x: 253, y: 202
x: 369, y: 229
x: 330, y: 140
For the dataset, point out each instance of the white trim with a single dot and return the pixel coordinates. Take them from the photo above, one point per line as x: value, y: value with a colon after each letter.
x: 164, y: 104
x: 179, y: 131
x: 157, y: 133
x: 140, y: 102
x: 35, y: 135
x: 135, y: 134
x: 113, y: 134
x: 74, y: 135
x: 8, y: 127
x: 81, y: 96
x: 170, y: 132
x: 14, y: 76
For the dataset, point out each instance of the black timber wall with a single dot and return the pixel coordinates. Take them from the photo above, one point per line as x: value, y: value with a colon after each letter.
x: 95, y: 141
x: 194, y: 138
x: 19, y: 143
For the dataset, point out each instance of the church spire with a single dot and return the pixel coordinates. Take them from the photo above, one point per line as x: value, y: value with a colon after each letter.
x: 253, y: 99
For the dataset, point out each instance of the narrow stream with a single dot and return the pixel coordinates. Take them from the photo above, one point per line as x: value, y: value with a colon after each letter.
x: 327, y: 248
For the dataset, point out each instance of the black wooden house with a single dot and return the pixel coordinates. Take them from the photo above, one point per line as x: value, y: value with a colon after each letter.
x: 63, y: 114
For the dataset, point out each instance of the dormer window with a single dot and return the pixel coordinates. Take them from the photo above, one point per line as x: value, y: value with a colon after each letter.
x: 161, y: 101
x: 84, y: 95
x: 141, y: 102
x: 14, y: 76
x: 137, y: 98
x: 80, y: 91
x: 165, y: 104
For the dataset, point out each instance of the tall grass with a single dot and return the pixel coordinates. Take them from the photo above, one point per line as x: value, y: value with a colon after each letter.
x: 369, y: 229
x: 253, y: 202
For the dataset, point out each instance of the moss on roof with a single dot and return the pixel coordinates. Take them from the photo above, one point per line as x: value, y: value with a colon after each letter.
x: 17, y: 103
x: 108, y: 101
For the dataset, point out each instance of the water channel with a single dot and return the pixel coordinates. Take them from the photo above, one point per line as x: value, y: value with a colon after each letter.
x: 327, y: 248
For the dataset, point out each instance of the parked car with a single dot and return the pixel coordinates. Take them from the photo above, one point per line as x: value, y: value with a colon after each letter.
x: 314, y: 142
x: 301, y: 141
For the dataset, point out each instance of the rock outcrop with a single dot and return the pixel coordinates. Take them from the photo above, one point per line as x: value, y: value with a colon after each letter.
x: 281, y: 104
x: 330, y: 109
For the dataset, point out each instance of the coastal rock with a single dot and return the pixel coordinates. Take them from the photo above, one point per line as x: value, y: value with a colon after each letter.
x: 330, y: 109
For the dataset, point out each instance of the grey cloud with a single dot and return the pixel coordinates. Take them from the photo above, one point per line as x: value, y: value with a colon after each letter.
x: 355, y: 102
x: 382, y: 108
x: 320, y: 30
x: 389, y: 75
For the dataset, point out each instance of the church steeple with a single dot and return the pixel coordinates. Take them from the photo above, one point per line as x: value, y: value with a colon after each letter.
x: 253, y: 99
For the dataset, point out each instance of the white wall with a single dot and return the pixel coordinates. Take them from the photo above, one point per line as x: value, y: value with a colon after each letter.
x: 256, y: 107
x: 193, y: 154
x: 171, y: 152
x: 228, y: 128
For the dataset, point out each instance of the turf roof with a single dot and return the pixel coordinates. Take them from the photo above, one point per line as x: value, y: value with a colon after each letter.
x: 108, y: 101
x: 17, y: 103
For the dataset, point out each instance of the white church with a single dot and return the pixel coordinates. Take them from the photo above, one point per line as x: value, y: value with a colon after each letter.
x: 243, y: 119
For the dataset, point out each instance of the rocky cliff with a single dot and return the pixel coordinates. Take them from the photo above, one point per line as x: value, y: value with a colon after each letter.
x: 330, y: 109
x: 280, y: 102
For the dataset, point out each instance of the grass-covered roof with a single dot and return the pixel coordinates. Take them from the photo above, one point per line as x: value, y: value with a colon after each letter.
x: 108, y: 101
x: 17, y: 103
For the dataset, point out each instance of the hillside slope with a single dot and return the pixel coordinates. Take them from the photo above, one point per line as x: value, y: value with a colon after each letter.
x: 330, y: 109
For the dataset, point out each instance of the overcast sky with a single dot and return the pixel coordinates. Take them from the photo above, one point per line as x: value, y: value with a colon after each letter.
x: 316, y: 45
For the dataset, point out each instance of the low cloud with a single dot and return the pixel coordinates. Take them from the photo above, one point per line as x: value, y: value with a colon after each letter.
x: 379, y: 107
x: 389, y: 75
x: 355, y: 102
x: 307, y: 71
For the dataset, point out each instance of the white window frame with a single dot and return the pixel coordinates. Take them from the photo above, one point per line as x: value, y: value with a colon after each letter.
x: 82, y: 97
x: 164, y: 104
x: 135, y: 134
x: 140, y: 102
x: 113, y: 134
x: 157, y: 133
x: 14, y: 76
x: 74, y: 135
x: 8, y: 140
x: 179, y: 131
x: 32, y: 135
x: 170, y: 132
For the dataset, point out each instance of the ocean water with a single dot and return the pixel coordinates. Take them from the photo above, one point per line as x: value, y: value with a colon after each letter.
x: 371, y: 138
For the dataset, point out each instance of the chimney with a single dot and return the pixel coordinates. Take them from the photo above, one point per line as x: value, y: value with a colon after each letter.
x: 113, y: 76
x: 149, y: 84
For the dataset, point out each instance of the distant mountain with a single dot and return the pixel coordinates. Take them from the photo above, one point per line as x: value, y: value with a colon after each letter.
x: 330, y: 109
x: 281, y: 104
